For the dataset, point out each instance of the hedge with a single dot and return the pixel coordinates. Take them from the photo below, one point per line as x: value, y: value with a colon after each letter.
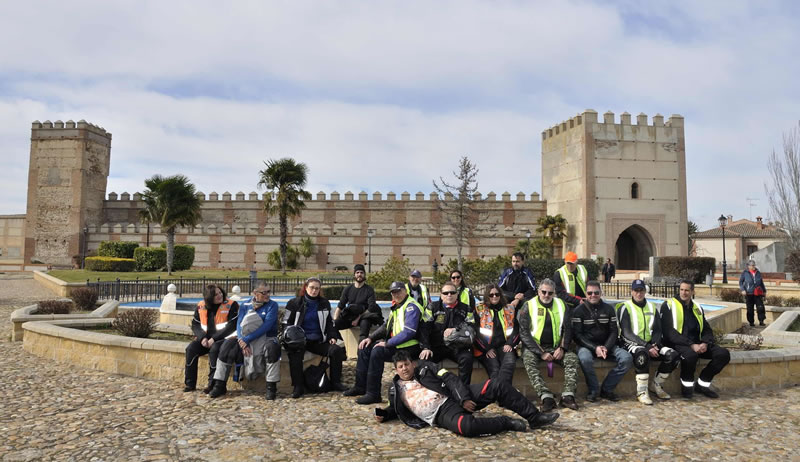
x: 110, y: 264
x: 332, y: 292
x: 150, y: 258
x: 694, y: 268
x: 117, y: 249
x: 183, y: 258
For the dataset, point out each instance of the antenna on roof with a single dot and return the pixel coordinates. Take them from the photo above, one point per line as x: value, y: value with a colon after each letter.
x: 751, y: 201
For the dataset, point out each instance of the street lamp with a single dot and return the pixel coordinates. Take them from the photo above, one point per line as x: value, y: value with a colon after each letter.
x: 435, y: 268
x: 528, y: 244
x: 370, y: 233
x: 85, y: 245
x: 723, y: 222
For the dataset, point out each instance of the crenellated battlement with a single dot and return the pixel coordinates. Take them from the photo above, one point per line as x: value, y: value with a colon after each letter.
x: 36, y: 126
x: 589, y: 116
x: 321, y: 196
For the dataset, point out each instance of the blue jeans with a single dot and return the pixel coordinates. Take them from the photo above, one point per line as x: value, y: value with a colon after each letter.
x: 624, y: 362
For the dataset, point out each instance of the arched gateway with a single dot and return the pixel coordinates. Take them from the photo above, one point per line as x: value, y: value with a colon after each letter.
x: 634, y: 248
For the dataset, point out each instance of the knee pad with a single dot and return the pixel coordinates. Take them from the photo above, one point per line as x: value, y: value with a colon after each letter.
x: 641, y: 360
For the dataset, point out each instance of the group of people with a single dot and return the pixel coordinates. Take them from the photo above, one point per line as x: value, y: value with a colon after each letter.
x: 516, y: 317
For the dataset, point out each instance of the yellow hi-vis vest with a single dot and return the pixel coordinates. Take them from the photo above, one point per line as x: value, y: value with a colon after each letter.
x: 398, y: 320
x: 676, y: 307
x: 642, y: 319
x: 486, y: 320
x: 424, y: 309
x: 568, y: 279
x: 463, y: 297
x: 538, y: 314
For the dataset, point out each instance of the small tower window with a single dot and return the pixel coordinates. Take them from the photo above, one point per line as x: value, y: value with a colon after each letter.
x: 635, y: 191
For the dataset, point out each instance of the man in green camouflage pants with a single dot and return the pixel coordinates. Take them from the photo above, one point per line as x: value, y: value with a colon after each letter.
x: 546, y: 332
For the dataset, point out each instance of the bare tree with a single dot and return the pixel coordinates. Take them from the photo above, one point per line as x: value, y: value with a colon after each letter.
x: 784, y: 190
x: 459, y: 204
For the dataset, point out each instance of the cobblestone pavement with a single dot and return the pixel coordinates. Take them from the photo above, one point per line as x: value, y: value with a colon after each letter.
x: 52, y: 412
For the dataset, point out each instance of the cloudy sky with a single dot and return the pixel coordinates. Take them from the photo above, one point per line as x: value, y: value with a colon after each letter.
x: 387, y: 95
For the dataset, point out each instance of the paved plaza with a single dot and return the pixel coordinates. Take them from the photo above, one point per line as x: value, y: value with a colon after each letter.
x: 50, y: 412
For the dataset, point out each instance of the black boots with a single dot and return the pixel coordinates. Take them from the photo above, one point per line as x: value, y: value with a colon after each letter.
x: 298, y: 391
x: 272, y: 391
x: 218, y: 389
x: 209, y: 387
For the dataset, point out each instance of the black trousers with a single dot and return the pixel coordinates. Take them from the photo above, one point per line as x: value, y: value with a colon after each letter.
x: 346, y: 322
x: 502, y: 366
x: 719, y: 359
x: 335, y: 353
x: 369, y: 368
x: 668, y: 361
x: 456, y: 419
x: 193, y: 353
x: 758, y: 302
x: 463, y: 357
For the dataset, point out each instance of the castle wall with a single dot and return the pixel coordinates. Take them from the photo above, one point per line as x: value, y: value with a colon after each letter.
x: 12, y: 238
x: 588, y: 168
x: 69, y: 165
x: 236, y: 233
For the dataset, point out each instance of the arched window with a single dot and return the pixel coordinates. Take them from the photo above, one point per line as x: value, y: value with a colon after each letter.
x: 635, y: 190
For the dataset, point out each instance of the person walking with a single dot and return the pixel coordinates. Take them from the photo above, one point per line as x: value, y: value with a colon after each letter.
x: 753, y: 289
x: 609, y: 270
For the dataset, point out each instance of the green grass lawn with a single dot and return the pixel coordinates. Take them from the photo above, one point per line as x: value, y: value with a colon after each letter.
x: 83, y: 275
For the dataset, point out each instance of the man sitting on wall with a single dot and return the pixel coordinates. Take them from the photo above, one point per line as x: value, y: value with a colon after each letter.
x: 517, y: 282
x: 357, y: 306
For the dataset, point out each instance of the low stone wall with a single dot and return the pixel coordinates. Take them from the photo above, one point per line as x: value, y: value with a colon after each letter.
x: 61, y: 340
x: 55, y: 285
x: 777, y: 332
x: 724, y: 320
x: 106, y: 310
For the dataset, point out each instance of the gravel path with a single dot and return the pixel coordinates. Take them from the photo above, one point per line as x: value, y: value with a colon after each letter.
x: 52, y: 412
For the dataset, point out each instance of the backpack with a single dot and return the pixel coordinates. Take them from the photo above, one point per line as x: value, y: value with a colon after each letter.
x: 316, y: 378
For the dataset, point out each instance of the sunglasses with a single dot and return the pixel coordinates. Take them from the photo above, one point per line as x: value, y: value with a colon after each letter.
x: 263, y: 292
x: 546, y: 292
x: 592, y: 292
x: 455, y: 277
x: 494, y: 294
x: 449, y: 292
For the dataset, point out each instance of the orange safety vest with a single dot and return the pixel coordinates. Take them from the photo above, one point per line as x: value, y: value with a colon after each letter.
x: 220, y: 319
x: 486, y: 323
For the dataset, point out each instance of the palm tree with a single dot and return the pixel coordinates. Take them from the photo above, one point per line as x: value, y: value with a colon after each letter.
x: 306, y: 249
x: 170, y: 202
x: 284, y: 180
x: 553, y: 227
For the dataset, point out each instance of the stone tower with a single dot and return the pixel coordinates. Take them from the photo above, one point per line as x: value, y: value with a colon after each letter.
x: 67, y: 179
x: 621, y: 187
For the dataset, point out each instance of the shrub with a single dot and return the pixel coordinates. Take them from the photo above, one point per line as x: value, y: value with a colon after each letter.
x: 731, y: 295
x: 332, y: 292
x: 792, y: 264
x: 54, y: 307
x: 791, y: 302
x: 274, y: 258
x: 749, y: 342
x: 118, y: 249
x: 110, y: 264
x: 774, y: 300
x: 150, y: 258
x: 85, y: 298
x: 395, y: 269
x: 138, y: 322
x: 183, y: 258
x: 694, y: 268
x: 383, y: 295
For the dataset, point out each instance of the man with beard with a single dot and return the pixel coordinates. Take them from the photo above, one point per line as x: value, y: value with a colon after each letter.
x: 357, y: 306
x: 517, y: 283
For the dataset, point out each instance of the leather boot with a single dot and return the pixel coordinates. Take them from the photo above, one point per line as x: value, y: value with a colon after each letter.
x: 641, y: 389
x: 658, y: 383
x: 219, y: 389
x: 298, y: 391
x: 272, y: 391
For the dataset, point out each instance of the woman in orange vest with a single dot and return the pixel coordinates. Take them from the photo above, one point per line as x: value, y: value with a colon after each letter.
x: 498, y: 334
x: 214, y: 321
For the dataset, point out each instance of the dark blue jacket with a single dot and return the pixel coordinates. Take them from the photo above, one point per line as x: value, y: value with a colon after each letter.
x: 513, y: 282
x: 748, y: 283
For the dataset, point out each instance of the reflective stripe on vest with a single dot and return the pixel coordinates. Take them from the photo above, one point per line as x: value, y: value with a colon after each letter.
x: 640, y: 325
x: 398, y: 320
x: 538, y: 318
x: 220, y: 319
x: 568, y: 279
x: 424, y: 309
x: 677, y: 314
x: 486, y: 320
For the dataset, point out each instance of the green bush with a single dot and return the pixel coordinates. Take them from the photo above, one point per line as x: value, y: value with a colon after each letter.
x: 383, y: 295
x: 54, y: 307
x: 274, y: 258
x: 332, y: 292
x: 85, y: 298
x: 138, y: 322
x: 793, y: 264
x: 395, y: 269
x: 693, y: 268
x: 110, y: 264
x: 150, y: 258
x: 731, y: 295
x: 118, y: 249
x: 183, y: 258
x: 774, y: 300
x: 791, y: 302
